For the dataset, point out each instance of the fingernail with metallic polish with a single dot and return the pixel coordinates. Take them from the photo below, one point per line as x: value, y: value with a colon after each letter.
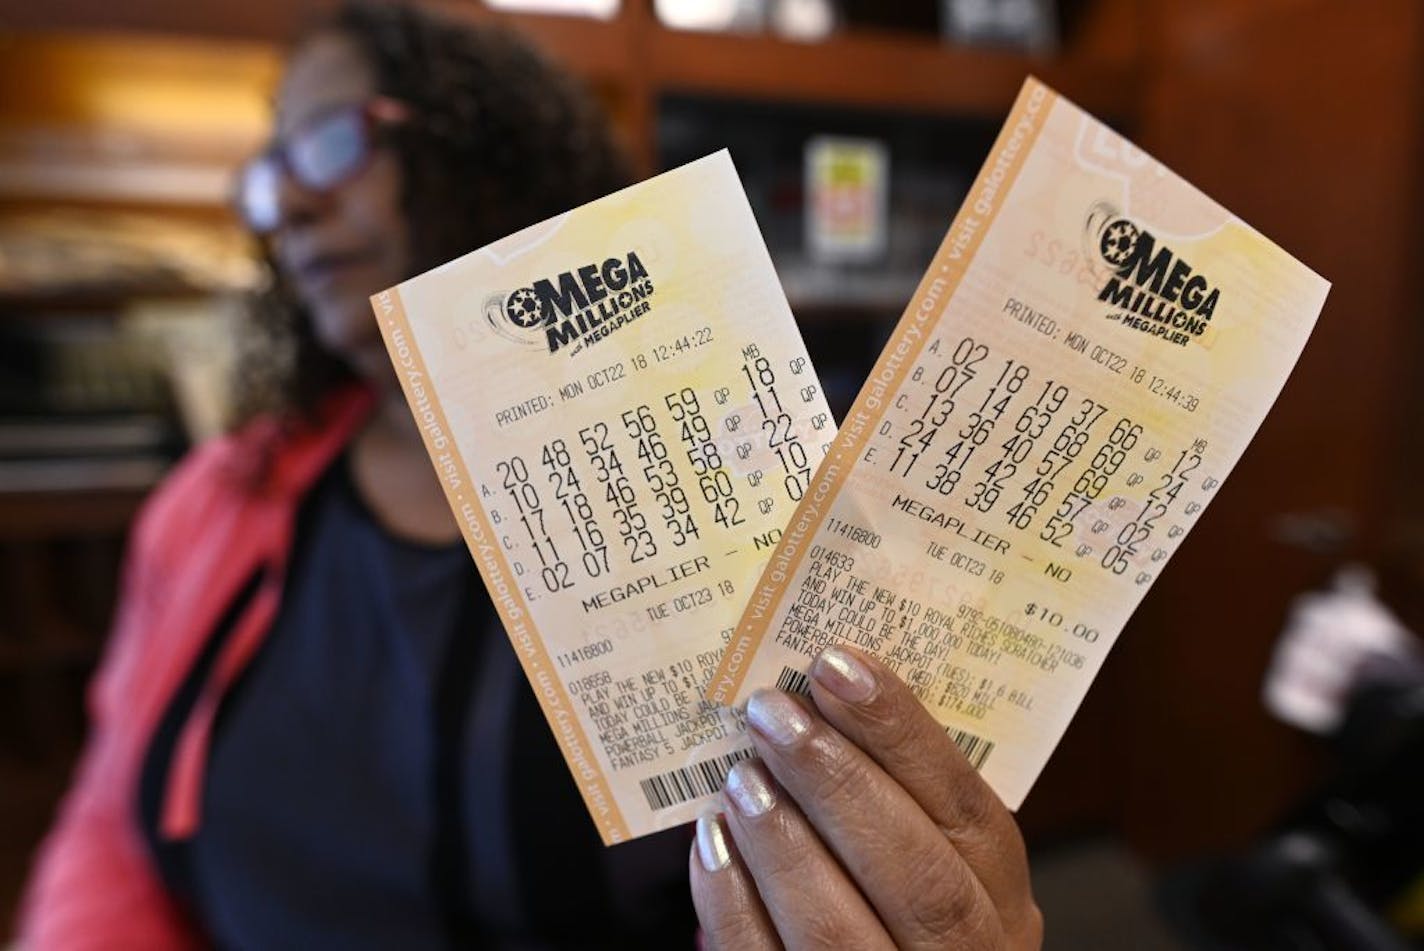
x: 749, y: 789
x: 712, y: 842
x: 844, y: 675
x: 778, y: 717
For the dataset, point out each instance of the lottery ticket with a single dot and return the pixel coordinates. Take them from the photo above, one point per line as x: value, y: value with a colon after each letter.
x: 623, y: 416
x: 1087, y: 357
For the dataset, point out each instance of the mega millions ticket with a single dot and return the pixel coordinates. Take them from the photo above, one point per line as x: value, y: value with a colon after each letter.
x: 1087, y: 357
x: 623, y: 416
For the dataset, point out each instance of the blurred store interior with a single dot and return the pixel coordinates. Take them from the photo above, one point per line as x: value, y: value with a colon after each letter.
x: 123, y: 273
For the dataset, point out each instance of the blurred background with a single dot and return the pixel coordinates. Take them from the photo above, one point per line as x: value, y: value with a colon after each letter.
x: 123, y: 271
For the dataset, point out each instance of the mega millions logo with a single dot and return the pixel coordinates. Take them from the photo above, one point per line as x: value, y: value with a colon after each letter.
x: 1148, y: 286
x: 575, y: 309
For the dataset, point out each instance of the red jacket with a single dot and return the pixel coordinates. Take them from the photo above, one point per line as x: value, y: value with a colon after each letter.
x: 203, y: 534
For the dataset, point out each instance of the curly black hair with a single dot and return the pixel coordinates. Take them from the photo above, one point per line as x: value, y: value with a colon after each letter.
x: 502, y: 139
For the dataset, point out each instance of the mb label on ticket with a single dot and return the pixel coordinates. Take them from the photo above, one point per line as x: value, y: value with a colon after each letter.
x: 623, y: 416
x: 1090, y: 352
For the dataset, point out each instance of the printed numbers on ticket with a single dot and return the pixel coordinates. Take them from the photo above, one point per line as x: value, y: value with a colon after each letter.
x: 1090, y: 352
x: 623, y: 415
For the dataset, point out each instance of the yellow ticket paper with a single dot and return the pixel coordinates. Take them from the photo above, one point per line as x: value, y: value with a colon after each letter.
x: 623, y: 415
x: 1089, y: 354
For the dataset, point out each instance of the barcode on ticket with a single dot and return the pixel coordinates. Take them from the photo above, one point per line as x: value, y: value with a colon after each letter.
x: 794, y: 681
x: 699, y: 779
x: 976, y: 749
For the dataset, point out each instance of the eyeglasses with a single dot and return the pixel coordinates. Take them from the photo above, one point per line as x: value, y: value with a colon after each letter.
x: 323, y: 153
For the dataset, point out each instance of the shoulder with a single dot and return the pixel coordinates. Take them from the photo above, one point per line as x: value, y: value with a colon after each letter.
x: 224, y: 471
x: 269, y: 460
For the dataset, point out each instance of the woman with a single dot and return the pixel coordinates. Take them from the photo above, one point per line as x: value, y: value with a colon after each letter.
x: 309, y: 730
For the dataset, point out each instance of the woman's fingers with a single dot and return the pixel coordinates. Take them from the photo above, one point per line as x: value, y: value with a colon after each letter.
x: 873, y: 709
x: 865, y: 826
x: 728, y: 906
x: 807, y: 896
x: 923, y: 893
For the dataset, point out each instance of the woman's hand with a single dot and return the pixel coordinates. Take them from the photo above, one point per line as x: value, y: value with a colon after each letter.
x: 862, y: 826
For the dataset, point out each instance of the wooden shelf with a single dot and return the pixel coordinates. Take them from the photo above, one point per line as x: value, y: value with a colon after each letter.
x: 603, y: 52
x: 873, y: 70
x: 59, y: 651
x: 632, y: 60
x: 877, y: 71
x: 96, y: 301
x: 37, y: 516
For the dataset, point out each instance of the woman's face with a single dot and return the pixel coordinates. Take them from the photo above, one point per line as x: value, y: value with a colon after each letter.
x: 340, y: 246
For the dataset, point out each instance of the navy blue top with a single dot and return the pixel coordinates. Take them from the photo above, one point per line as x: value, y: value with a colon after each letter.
x: 381, y: 775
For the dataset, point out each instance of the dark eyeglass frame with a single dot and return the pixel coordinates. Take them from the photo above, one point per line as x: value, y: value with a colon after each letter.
x: 375, y: 117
